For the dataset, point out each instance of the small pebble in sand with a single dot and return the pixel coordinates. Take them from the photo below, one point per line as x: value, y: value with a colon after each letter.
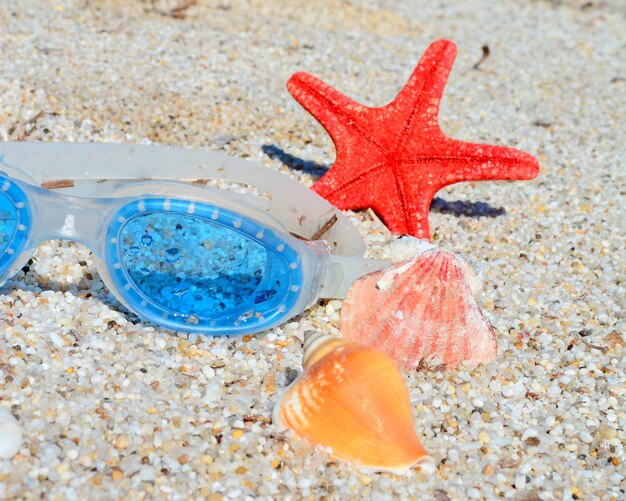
x: 10, y: 435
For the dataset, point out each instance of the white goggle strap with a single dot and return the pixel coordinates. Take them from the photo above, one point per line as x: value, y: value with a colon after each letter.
x: 302, y: 211
x: 344, y: 270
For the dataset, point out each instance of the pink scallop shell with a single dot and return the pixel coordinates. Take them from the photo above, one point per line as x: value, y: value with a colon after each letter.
x: 423, y: 309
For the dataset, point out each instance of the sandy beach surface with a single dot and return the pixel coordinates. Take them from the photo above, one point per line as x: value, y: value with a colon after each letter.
x: 111, y: 408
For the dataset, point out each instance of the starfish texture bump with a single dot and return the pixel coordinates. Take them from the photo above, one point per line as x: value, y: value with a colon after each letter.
x: 395, y: 158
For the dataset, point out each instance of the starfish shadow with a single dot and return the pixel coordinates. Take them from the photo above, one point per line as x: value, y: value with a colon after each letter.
x: 457, y: 208
x: 293, y: 162
x: 465, y: 208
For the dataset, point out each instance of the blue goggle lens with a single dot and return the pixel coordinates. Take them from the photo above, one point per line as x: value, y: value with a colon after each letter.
x: 193, y: 266
x: 8, y: 221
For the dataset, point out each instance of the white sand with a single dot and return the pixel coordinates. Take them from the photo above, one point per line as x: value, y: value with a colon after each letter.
x: 110, y: 409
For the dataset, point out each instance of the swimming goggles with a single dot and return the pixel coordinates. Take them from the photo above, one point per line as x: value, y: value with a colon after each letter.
x: 186, y: 255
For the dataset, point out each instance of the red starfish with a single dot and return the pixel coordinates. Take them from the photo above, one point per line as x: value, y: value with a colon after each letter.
x: 394, y: 159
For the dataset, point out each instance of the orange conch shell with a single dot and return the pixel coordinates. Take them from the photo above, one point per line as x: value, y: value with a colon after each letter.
x: 422, y: 309
x: 353, y: 400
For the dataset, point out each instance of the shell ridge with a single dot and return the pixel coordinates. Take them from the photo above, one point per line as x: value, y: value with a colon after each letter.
x: 423, y: 340
x: 455, y: 309
x: 469, y: 313
x: 433, y: 342
x: 404, y: 295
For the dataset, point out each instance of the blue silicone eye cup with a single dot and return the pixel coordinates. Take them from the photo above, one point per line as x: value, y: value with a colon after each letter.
x: 194, y: 266
x: 15, y: 220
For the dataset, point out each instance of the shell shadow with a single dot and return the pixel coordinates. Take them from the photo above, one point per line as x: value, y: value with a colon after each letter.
x: 457, y: 208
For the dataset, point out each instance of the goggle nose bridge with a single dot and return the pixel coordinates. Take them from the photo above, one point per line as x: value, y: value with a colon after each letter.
x: 66, y: 217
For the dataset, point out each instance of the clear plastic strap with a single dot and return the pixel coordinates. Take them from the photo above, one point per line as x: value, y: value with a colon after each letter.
x: 301, y: 210
x: 342, y: 271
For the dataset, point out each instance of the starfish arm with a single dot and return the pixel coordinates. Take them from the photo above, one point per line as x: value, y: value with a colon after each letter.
x: 412, y: 219
x: 416, y: 199
x: 416, y: 107
x: 401, y: 199
x: 350, y: 184
x: 404, y: 220
x: 459, y: 161
x: 345, y: 120
x: 462, y: 162
x: 386, y: 194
